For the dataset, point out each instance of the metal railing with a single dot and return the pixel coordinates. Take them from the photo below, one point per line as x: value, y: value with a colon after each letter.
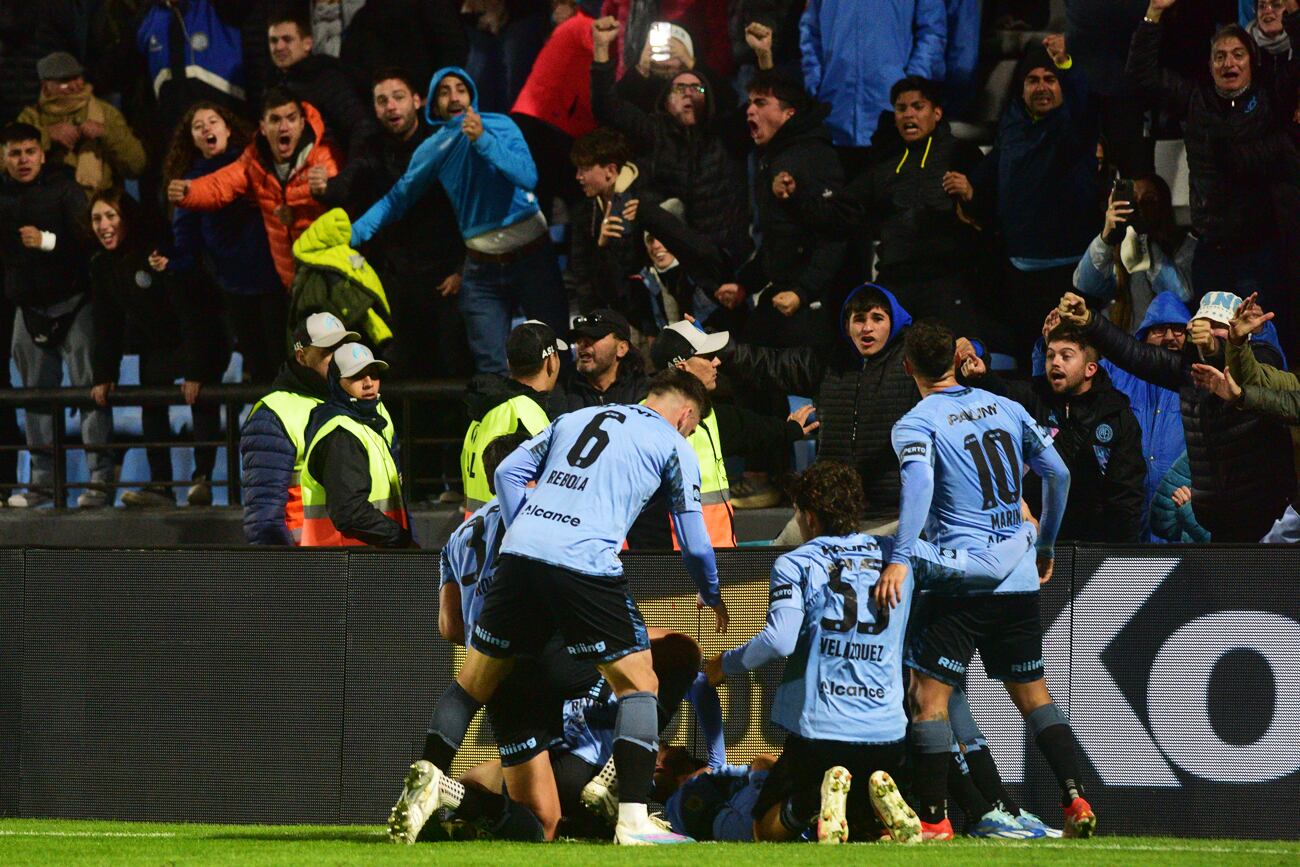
x: 232, y: 398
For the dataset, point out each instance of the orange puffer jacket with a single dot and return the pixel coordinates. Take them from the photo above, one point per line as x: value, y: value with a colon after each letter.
x: 253, y: 176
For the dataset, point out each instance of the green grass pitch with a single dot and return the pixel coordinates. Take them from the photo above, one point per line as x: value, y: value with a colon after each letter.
x: 54, y: 842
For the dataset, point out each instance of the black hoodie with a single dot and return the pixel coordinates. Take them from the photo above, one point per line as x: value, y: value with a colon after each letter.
x: 697, y: 164
x: 1100, y: 440
x: 794, y: 256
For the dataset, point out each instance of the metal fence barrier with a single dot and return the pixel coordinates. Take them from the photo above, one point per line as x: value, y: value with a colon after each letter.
x: 399, y: 397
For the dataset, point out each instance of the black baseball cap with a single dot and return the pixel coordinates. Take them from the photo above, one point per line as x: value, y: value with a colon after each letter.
x: 532, y: 343
x: 600, y: 322
x: 681, y: 341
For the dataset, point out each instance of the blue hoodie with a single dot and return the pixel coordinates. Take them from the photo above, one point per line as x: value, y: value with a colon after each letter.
x: 489, y: 181
x: 898, y: 317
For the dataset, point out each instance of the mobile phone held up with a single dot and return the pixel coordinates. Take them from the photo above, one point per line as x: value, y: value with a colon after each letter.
x: 660, y: 33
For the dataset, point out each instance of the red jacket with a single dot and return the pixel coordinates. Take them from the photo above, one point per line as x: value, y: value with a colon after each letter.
x: 556, y: 91
x: 253, y: 176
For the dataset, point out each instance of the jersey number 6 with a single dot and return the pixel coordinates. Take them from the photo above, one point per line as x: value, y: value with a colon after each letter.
x: 593, y: 439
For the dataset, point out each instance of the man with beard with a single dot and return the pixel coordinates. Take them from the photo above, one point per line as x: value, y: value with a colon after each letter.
x: 607, y: 370
x: 1235, y: 495
x: 483, y: 163
x: 1094, y: 431
x: 422, y: 280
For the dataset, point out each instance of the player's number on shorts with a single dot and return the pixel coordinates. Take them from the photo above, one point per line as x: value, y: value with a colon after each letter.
x: 841, y: 584
x: 593, y: 439
x: 999, y: 479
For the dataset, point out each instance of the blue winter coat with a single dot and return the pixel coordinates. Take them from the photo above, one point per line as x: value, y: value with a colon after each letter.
x: 490, y: 181
x: 1040, y: 180
x: 231, y: 242
x: 854, y: 50
x: 267, y: 456
x: 1170, y: 523
x: 1157, y: 409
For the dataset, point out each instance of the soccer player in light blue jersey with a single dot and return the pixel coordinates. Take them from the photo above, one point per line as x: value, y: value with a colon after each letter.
x: 962, y: 452
x: 842, y: 697
x: 559, y: 572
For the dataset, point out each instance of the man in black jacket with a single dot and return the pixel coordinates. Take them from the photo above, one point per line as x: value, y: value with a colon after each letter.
x: 795, y: 264
x: 45, y: 244
x: 421, y: 279
x: 320, y: 80
x: 690, y: 147
x: 727, y: 432
x: 860, y: 390
x: 926, y: 248
x: 1236, y: 495
x: 1239, y: 157
x: 607, y: 370
x: 1094, y: 431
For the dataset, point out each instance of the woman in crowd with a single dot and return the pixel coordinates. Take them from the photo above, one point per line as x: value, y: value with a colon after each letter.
x: 171, y: 321
x: 230, y: 244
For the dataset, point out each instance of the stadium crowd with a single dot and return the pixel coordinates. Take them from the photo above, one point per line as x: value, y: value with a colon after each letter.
x: 800, y: 181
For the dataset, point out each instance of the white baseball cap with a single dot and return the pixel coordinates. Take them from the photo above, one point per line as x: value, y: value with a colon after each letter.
x: 324, y: 330
x: 682, y: 340
x: 353, y: 358
x: 1218, y: 307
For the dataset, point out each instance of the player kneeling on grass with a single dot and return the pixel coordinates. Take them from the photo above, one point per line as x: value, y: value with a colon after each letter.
x: 842, y: 697
x: 543, y: 703
x: 594, y: 469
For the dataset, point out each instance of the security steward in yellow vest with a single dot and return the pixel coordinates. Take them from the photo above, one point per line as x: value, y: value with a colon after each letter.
x: 351, y: 487
x: 727, y: 431
x: 499, y: 406
x: 272, y: 442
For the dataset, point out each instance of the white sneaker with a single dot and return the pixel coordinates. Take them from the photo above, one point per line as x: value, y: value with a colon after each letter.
x: 29, y: 499
x: 418, y: 802
x: 92, y: 498
x: 646, y: 833
x: 600, y: 795
x: 899, y: 819
x: 832, y: 821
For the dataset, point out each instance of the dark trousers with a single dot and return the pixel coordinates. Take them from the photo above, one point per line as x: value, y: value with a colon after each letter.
x: 1023, y: 303
x: 428, y: 343
x: 260, y: 326
x: 9, y: 433
x: 162, y: 367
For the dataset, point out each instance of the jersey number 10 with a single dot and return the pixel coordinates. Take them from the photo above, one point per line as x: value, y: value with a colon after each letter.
x: 997, y: 478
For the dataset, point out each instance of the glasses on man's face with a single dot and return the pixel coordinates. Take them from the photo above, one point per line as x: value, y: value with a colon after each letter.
x: 683, y: 89
x: 1171, y: 330
x: 1270, y: 4
x: 589, y: 319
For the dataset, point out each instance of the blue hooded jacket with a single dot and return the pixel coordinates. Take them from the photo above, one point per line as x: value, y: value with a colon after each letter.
x: 852, y: 53
x: 489, y: 181
x: 1157, y: 409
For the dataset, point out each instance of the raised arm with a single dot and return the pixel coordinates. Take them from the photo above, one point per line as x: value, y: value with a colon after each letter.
x: 1163, y: 367
x: 1144, y: 62
x: 420, y: 174
x: 606, y: 105
x: 214, y: 191
x: 503, y: 145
